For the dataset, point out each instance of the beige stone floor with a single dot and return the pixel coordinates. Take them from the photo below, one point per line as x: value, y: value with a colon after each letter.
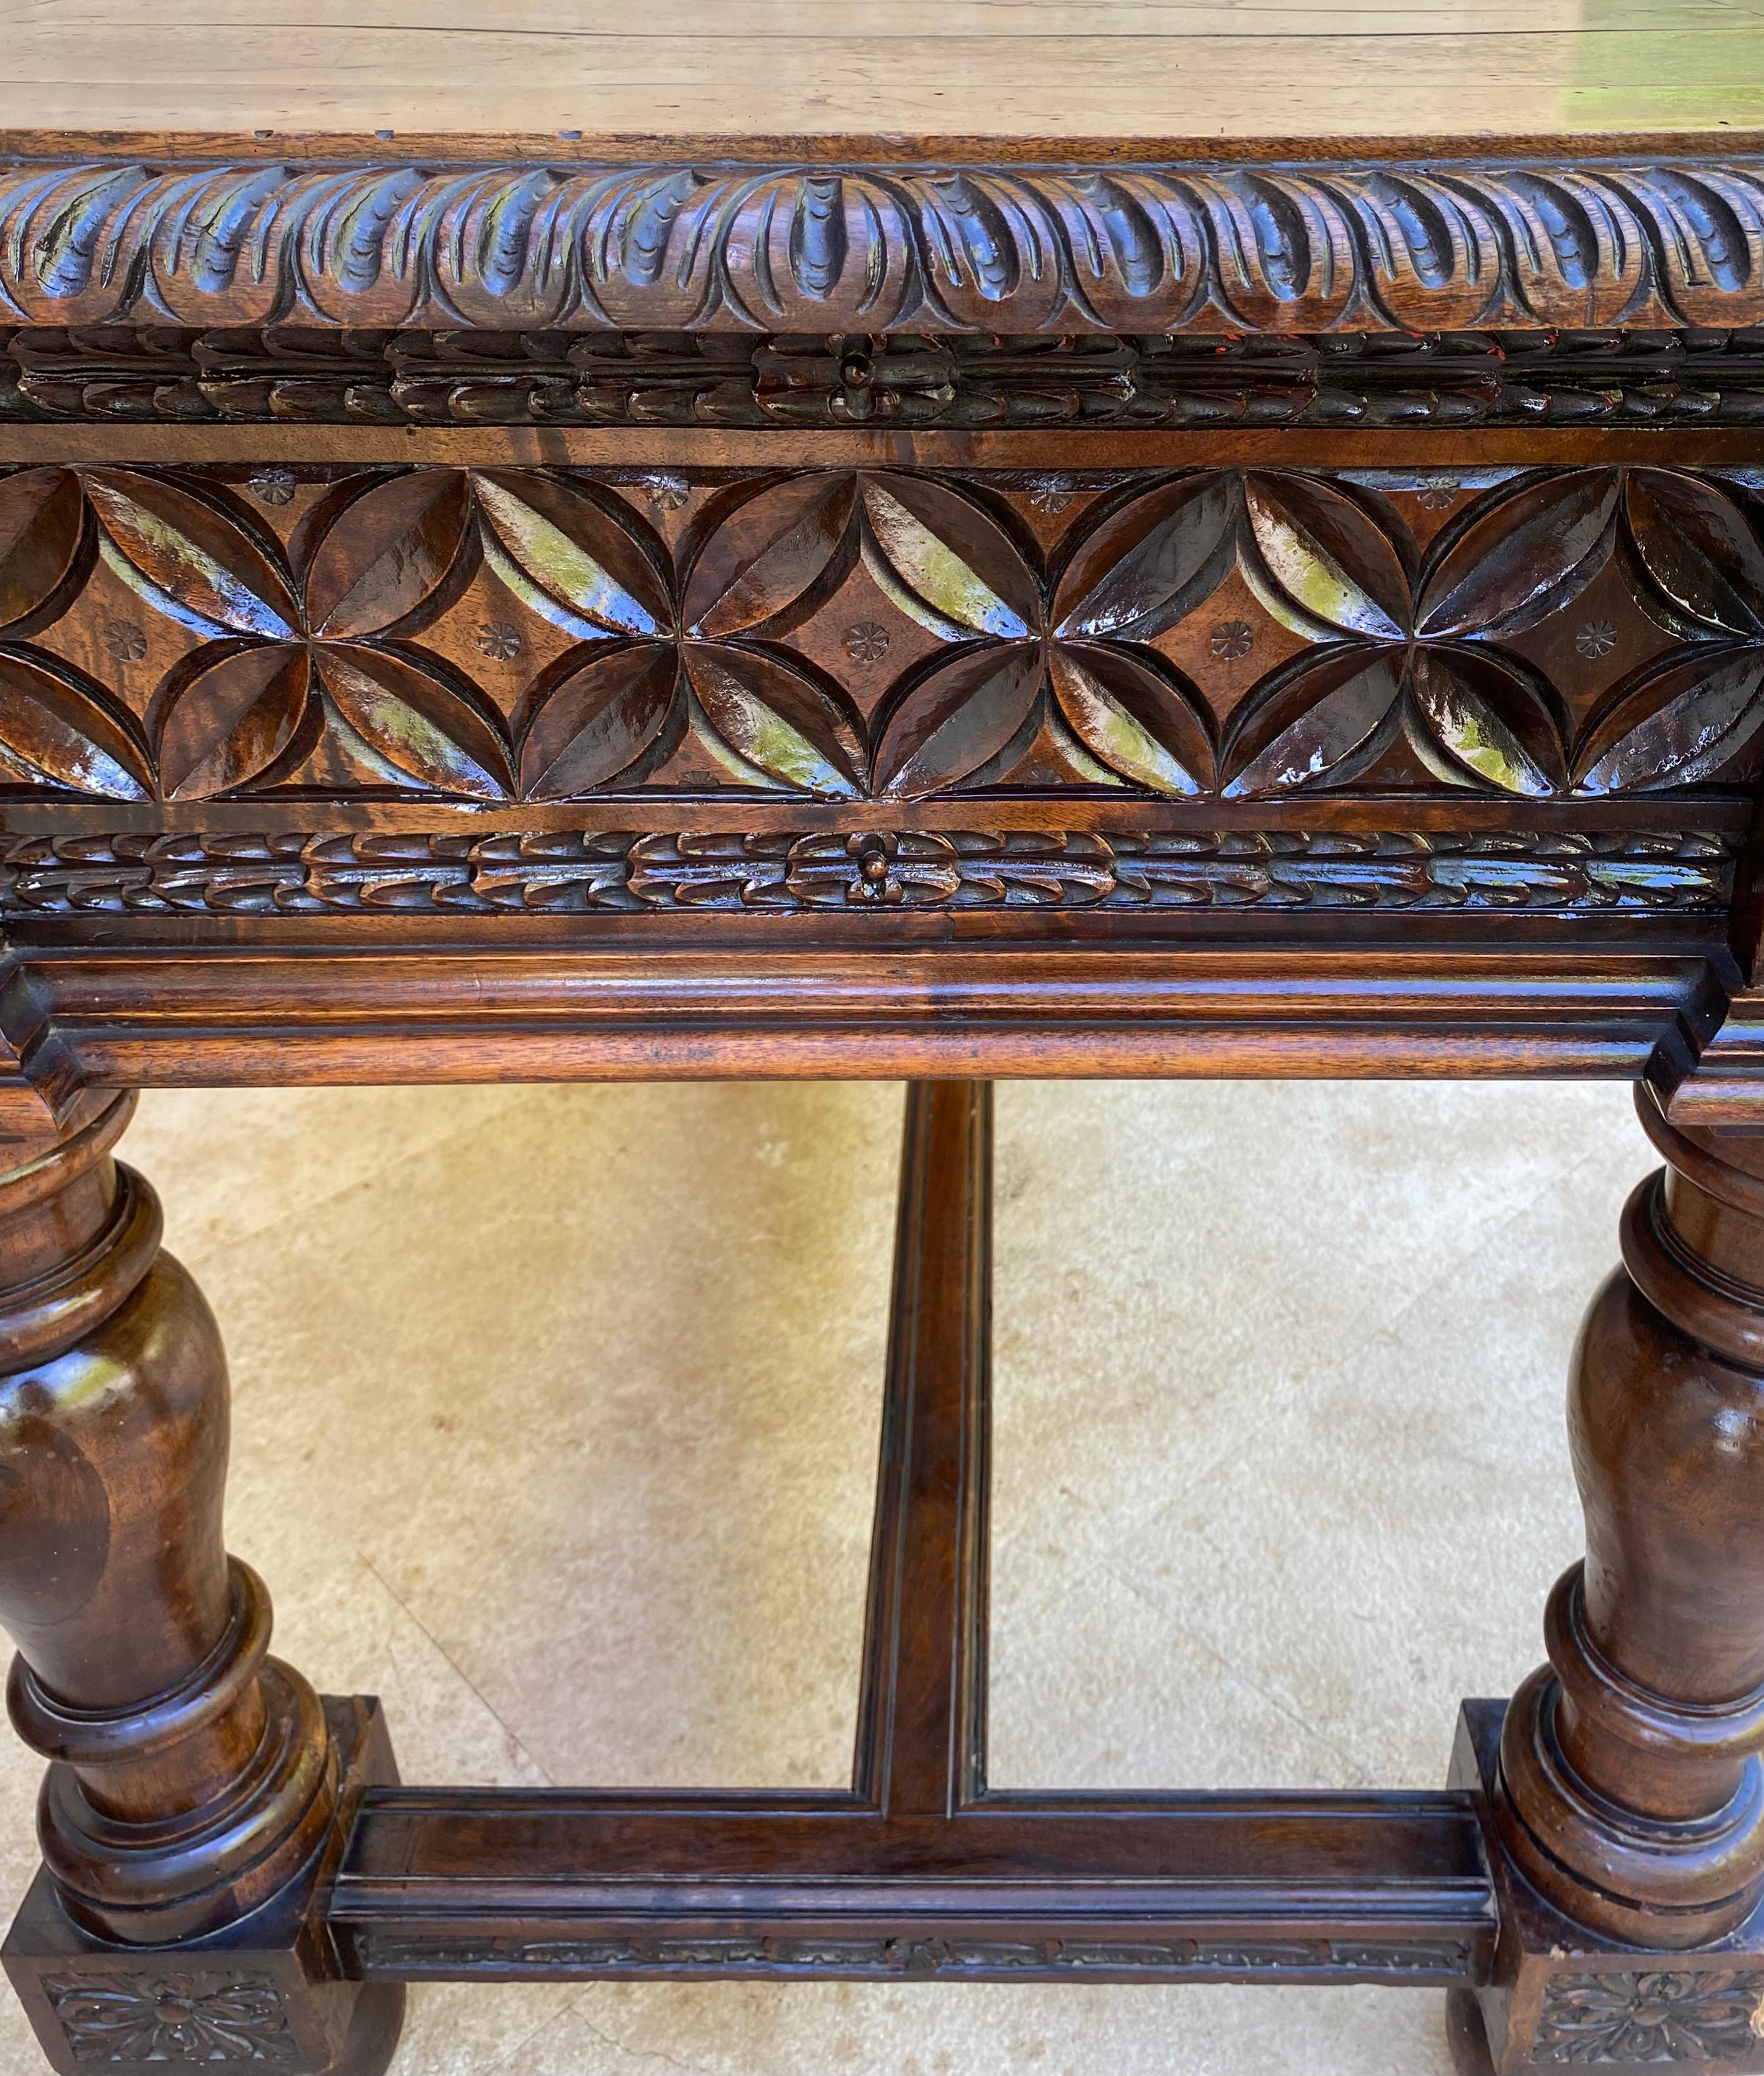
x: 554, y: 1417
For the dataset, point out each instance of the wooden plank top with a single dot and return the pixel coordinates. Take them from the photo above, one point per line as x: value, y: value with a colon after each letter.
x: 827, y: 77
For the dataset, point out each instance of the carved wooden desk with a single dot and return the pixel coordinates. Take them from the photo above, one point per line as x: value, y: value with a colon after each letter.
x: 588, y: 589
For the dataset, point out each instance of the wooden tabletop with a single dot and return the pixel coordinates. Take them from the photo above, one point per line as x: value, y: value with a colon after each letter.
x: 823, y: 166
x: 832, y: 77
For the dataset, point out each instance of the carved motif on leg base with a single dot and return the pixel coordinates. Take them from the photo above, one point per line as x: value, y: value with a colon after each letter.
x: 266, y: 1990
x: 1559, y: 1996
x: 1622, y: 1791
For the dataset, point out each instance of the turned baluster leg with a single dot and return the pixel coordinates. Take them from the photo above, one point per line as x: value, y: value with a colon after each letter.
x: 196, y: 1786
x: 1628, y: 1793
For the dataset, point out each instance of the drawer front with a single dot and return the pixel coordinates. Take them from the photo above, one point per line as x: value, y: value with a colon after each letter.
x: 665, y: 677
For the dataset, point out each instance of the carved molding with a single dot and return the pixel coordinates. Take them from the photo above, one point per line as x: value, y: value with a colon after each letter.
x: 1134, y: 249
x: 381, y: 1953
x: 283, y: 374
x: 179, y: 2015
x: 485, y: 636
x: 1626, y: 2020
x: 570, y: 872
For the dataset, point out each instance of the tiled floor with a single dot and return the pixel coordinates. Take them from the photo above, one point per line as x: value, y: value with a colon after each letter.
x: 554, y: 1416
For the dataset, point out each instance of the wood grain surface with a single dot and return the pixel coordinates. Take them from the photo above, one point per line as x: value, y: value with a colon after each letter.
x: 567, y: 76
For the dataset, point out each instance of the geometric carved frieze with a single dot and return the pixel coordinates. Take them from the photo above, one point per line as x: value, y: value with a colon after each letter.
x: 1135, y: 249
x: 499, y: 635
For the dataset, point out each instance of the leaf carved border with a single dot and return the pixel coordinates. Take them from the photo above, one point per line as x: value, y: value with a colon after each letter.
x: 1153, y: 1957
x: 1274, y: 249
x: 289, y: 375
x: 613, y: 873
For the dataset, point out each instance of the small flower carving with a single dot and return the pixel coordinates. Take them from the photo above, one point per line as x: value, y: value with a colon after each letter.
x: 1656, y: 2016
x: 171, y: 2017
x: 874, y: 880
x: 873, y: 869
x: 498, y: 639
x: 866, y: 642
x: 125, y: 640
x: 1438, y: 493
x: 857, y: 372
x: 1400, y: 648
x: 667, y: 493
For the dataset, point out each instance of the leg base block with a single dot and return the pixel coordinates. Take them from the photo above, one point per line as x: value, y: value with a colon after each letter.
x: 268, y: 1989
x: 1560, y: 1996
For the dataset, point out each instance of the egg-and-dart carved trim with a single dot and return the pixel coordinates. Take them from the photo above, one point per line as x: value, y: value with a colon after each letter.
x: 1269, y: 249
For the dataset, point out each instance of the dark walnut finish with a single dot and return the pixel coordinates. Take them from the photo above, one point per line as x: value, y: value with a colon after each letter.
x: 478, y: 605
x: 195, y: 1784
x: 482, y: 636
x: 292, y: 374
x: 1643, y: 243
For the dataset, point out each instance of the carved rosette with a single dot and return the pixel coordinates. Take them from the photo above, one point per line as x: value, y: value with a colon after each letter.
x: 175, y: 2016
x: 1625, y: 2019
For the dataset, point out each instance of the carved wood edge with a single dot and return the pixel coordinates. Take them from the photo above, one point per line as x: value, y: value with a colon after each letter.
x: 40, y: 1080
x: 856, y: 150
x: 1273, y: 249
x: 184, y: 1013
x: 870, y: 873
x: 1137, y: 1954
x: 860, y: 638
x: 1721, y: 1083
x: 294, y: 374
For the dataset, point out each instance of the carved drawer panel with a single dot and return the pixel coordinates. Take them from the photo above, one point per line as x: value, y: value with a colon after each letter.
x: 503, y: 634
x: 627, y: 688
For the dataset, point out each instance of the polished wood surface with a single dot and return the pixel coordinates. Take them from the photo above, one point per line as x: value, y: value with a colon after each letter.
x: 472, y: 638
x: 1654, y: 1699
x: 930, y: 542
x: 869, y: 768
x: 1588, y: 1884
x: 194, y: 1782
x: 142, y: 1671
x: 458, y: 73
